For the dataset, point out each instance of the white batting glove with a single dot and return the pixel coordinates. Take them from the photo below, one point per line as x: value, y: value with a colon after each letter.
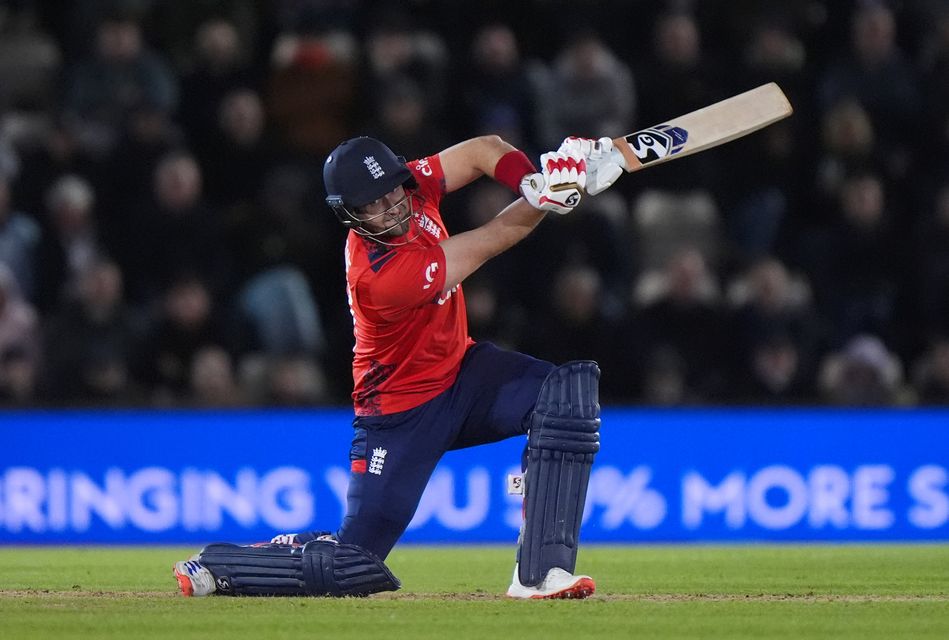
x: 285, y: 538
x: 603, y: 166
x: 559, y: 185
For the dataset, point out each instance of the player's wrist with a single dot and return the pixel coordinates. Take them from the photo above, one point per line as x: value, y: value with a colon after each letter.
x: 511, y: 169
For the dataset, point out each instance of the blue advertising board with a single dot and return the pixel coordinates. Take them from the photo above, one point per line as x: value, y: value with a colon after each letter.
x: 662, y: 475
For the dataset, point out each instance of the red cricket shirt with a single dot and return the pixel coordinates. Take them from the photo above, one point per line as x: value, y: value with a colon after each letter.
x: 409, y: 338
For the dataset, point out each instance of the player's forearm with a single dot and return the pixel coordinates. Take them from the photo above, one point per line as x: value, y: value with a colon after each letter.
x: 469, y: 160
x: 512, y: 225
x: 466, y: 252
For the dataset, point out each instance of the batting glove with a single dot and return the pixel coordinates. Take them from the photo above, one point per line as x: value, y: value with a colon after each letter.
x: 604, y: 165
x: 559, y: 185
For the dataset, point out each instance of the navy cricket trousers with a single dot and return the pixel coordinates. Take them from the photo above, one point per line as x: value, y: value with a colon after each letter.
x: 491, y: 400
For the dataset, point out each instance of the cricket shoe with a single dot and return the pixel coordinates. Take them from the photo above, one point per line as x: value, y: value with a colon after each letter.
x: 558, y: 584
x: 194, y: 579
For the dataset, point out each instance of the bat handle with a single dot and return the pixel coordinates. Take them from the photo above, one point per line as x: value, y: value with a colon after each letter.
x: 622, y: 154
x: 565, y: 186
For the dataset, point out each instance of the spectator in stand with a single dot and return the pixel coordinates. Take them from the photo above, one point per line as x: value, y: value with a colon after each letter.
x: 596, y: 94
x: 220, y: 67
x: 148, y: 136
x: 240, y: 135
x: 760, y: 207
x: 20, y: 237
x: 772, y: 306
x: 18, y: 379
x: 876, y: 72
x: 848, y: 144
x: 19, y: 341
x: 290, y: 380
x: 90, y: 342
x: 71, y: 243
x: 497, y: 82
x: 175, y: 27
x: 775, y: 374
x: 29, y: 61
x: 396, y: 47
x: 212, y: 382
x: 280, y: 311
x: 188, y: 322
x: 280, y: 229
x: 863, y: 374
x: 122, y: 74
x: 679, y: 314
x: 774, y: 332
x: 312, y: 87
x: 401, y: 117
x: 175, y: 231
x: 863, y: 277
x: 663, y: 373
x: 595, y: 234
x: 573, y: 322
x: 931, y: 375
x: 679, y: 77
x: 296, y: 381
x: 666, y: 222
x: 51, y: 153
x: 490, y: 320
x: 775, y: 53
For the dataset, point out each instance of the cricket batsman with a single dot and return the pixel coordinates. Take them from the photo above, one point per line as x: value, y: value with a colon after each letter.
x: 422, y: 386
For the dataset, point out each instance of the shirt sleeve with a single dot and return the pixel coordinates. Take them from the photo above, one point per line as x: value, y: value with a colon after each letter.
x: 410, y: 278
x: 430, y: 177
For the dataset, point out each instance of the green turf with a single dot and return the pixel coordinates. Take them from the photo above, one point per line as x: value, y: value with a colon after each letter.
x: 729, y: 592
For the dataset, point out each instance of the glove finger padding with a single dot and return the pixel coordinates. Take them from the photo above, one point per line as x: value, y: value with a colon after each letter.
x: 601, y: 163
x: 579, y: 146
x: 559, y: 186
x: 565, y: 170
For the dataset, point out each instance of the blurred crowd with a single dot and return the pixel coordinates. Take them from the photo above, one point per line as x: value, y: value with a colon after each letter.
x: 164, y: 241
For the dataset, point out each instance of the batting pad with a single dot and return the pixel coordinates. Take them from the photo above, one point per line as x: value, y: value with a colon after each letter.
x: 319, y: 568
x: 564, y: 437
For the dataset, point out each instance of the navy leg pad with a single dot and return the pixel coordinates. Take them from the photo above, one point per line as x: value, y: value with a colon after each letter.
x: 318, y: 568
x: 340, y: 569
x: 564, y: 437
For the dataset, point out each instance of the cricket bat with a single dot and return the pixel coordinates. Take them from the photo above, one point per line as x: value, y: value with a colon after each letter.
x: 702, y: 129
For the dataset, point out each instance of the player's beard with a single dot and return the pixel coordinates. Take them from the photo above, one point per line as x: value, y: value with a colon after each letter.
x: 400, y: 224
x: 401, y: 227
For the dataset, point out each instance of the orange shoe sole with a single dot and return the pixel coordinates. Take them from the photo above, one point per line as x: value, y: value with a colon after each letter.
x: 184, y: 583
x: 584, y: 588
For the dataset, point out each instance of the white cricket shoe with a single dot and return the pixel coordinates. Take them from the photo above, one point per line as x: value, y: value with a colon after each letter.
x: 194, y: 579
x: 558, y: 584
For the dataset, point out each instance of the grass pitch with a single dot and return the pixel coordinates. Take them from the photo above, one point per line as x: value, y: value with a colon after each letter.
x: 733, y: 592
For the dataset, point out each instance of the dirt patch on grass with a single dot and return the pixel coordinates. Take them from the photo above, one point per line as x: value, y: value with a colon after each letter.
x: 488, y: 597
x: 83, y: 593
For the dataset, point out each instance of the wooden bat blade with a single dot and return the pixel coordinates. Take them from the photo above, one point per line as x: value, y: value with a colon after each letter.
x: 702, y: 129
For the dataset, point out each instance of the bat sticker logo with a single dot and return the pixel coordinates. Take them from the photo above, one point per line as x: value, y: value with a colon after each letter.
x: 657, y: 143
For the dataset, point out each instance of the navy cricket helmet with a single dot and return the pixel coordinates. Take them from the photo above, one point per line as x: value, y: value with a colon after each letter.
x: 359, y: 171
